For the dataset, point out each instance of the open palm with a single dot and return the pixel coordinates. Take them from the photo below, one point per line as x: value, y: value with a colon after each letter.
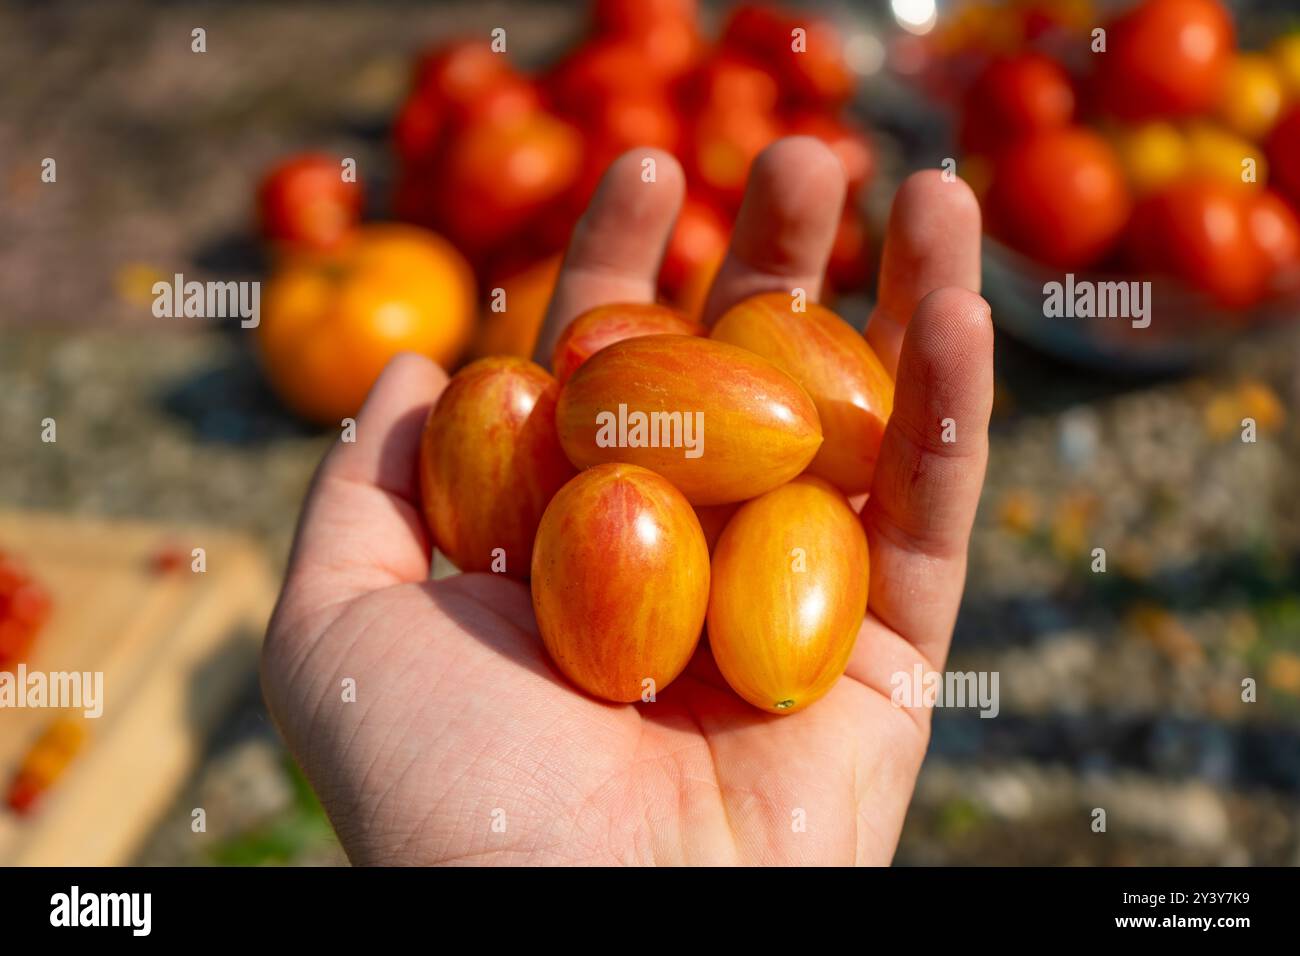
x: 464, y: 744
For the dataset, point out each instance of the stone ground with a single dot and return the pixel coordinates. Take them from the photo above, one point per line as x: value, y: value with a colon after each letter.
x: 1119, y: 690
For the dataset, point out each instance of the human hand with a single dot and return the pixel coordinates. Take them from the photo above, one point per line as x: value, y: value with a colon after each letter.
x: 464, y: 743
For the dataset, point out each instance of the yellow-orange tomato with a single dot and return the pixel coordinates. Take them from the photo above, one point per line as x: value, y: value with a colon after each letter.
x: 490, y: 463
x: 524, y: 300
x: 833, y: 362
x: 620, y: 582
x: 720, y: 423
x: 606, y: 324
x: 1252, y: 95
x: 788, y: 595
x: 330, y: 322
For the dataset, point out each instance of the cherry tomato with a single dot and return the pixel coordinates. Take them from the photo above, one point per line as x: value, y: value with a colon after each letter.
x: 1059, y: 196
x: 304, y: 200
x: 723, y: 145
x: 729, y: 80
x: 1284, y: 155
x: 1198, y: 230
x: 498, y: 177
x: 1015, y: 95
x: 1275, y: 231
x: 1252, y: 95
x: 1165, y: 58
x: 699, y: 240
x: 817, y: 74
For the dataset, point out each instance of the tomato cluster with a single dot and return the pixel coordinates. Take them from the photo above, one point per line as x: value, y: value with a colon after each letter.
x: 1171, y: 152
x: 664, y: 476
x: 502, y: 163
x: 24, y: 607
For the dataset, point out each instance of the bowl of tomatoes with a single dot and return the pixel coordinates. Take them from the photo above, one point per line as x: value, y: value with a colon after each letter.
x: 1138, y: 171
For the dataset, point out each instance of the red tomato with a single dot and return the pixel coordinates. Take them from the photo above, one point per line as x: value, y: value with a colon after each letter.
x: 1059, y: 196
x: 635, y: 17
x: 1276, y: 233
x: 497, y: 177
x: 1284, y: 155
x: 728, y: 81
x: 595, y: 72
x: 850, y: 143
x: 1015, y: 95
x: 817, y: 74
x: 699, y: 240
x: 305, y: 201
x: 460, y: 72
x: 1165, y: 58
x: 849, y: 267
x: 417, y: 129
x: 1198, y: 230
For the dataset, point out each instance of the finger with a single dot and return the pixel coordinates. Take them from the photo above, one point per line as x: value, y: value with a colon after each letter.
x: 360, y: 528
x: 617, y: 245
x: 932, y: 241
x: 786, y: 225
x: 931, y: 468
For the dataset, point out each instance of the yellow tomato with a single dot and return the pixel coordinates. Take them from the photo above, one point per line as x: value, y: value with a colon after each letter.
x: 1286, y: 57
x: 1153, y: 154
x: 1252, y: 95
x: 1217, y: 152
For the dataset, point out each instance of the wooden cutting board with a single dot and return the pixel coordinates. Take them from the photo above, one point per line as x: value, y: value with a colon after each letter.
x: 174, y: 646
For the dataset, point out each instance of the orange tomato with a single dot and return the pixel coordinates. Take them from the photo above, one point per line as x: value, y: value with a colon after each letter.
x: 723, y: 145
x: 853, y: 393
x: 1165, y: 58
x: 699, y: 240
x: 1198, y: 230
x: 1016, y: 94
x: 525, y: 297
x: 331, y: 322
x: 727, y: 424
x: 1059, y: 196
x: 607, y: 324
x: 788, y: 595
x: 304, y: 201
x: 490, y: 462
x: 620, y: 582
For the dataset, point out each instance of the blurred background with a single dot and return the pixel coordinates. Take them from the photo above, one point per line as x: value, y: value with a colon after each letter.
x: 135, y: 447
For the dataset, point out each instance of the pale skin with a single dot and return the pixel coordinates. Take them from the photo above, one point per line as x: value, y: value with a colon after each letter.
x: 465, y: 745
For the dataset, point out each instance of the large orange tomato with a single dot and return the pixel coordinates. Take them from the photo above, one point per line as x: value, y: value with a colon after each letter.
x: 305, y: 201
x: 331, y: 322
x: 1165, y: 58
x: 1059, y: 196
